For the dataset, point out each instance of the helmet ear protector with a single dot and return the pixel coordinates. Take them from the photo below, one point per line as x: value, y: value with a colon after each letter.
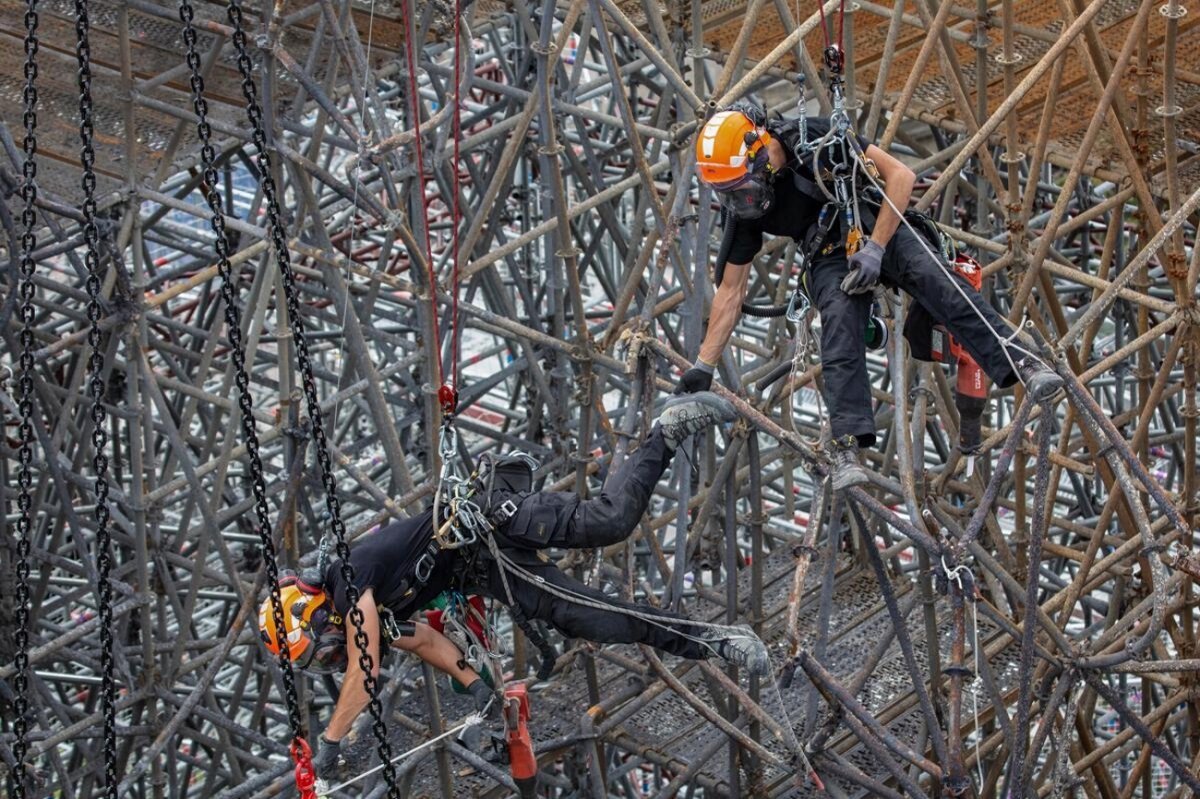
x: 327, y: 655
x: 750, y: 199
x: 312, y: 628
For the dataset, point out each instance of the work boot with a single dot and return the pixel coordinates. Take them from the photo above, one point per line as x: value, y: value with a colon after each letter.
x: 741, y: 647
x: 1041, y: 382
x: 687, y: 414
x: 847, y: 471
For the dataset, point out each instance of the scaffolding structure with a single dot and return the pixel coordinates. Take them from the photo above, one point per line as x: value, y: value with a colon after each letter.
x: 1023, y: 623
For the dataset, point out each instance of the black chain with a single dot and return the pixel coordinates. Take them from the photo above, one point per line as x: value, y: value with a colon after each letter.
x: 91, y: 235
x: 291, y: 294
x: 25, y: 290
x: 237, y: 353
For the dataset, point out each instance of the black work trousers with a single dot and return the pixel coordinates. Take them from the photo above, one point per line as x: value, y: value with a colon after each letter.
x: 844, y: 317
x: 562, y: 519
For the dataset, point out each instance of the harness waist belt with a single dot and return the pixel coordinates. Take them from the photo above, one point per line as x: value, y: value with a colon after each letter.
x: 504, y: 511
x: 425, y: 564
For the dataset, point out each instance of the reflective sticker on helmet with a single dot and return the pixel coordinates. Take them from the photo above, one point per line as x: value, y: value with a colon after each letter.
x: 708, y: 138
x: 293, y: 636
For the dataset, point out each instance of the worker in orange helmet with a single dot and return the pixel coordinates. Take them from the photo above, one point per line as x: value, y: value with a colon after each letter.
x: 765, y: 187
x: 402, y: 567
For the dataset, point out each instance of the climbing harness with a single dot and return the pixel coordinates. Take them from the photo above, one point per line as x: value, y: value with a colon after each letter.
x: 298, y: 749
x: 468, y: 522
x: 463, y: 620
x: 840, y: 201
x: 24, y: 381
x: 92, y: 259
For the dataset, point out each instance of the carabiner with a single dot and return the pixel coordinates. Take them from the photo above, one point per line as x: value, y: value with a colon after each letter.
x: 798, y: 306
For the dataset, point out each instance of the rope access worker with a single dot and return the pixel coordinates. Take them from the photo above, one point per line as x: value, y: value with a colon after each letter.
x: 401, y: 568
x: 765, y: 186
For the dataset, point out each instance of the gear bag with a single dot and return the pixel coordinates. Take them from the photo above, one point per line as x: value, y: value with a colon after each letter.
x: 502, y: 482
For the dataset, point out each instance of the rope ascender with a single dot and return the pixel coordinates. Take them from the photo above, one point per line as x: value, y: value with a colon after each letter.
x: 95, y: 270
x: 355, y: 618
x: 25, y: 291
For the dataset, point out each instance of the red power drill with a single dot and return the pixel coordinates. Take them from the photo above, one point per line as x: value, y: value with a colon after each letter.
x: 971, y: 389
x: 521, y: 761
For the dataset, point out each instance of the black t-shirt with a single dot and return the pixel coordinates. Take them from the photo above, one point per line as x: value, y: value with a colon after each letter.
x: 794, y: 212
x: 386, y: 561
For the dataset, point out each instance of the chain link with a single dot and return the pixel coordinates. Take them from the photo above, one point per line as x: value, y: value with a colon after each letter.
x: 233, y: 324
x: 291, y: 293
x: 91, y: 235
x: 25, y: 362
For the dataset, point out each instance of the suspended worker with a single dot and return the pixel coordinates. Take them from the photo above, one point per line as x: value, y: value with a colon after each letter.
x: 401, y: 568
x: 765, y: 187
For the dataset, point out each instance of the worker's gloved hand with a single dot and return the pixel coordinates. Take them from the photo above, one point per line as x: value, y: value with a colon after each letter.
x: 325, y: 761
x: 486, y: 702
x: 698, y: 378
x: 476, y: 736
x: 865, y: 266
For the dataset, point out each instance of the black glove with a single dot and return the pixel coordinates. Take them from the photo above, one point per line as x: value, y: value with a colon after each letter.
x: 484, y: 696
x: 698, y: 378
x: 865, y: 266
x: 325, y: 761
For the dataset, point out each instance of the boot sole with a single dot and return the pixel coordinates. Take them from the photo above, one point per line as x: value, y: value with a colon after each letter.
x: 724, y: 406
x: 855, y: 478
x: 1051, y: 392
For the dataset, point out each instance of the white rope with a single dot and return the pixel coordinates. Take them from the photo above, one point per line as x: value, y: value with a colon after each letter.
x: 1006, y: 342
x: 955, y: 575
x: 665, y: 623
x: 473, y: 720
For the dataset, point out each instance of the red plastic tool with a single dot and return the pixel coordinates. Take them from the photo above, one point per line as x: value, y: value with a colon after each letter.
x: 306, y: 775
x: 522, y: 762
x: 971, y: 388
x: 448, y: 398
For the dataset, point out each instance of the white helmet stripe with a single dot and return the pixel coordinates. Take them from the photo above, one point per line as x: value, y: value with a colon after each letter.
x: 708, y: 137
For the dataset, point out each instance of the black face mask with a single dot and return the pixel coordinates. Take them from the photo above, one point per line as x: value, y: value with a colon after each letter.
x: 752, y: 198
x: 327, y: 654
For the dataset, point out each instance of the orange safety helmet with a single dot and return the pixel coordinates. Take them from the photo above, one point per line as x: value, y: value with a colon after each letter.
x: 312, y: 630
x: 730, y: 147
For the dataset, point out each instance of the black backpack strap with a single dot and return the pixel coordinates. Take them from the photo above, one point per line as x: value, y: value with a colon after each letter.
x: 807, y: 187
x: 728, y: 231
x: 788, y: 132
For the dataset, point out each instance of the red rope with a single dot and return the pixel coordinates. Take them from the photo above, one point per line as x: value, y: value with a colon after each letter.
x: 824, y: 24
x: 415, y: 108
x: 456, y: 132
